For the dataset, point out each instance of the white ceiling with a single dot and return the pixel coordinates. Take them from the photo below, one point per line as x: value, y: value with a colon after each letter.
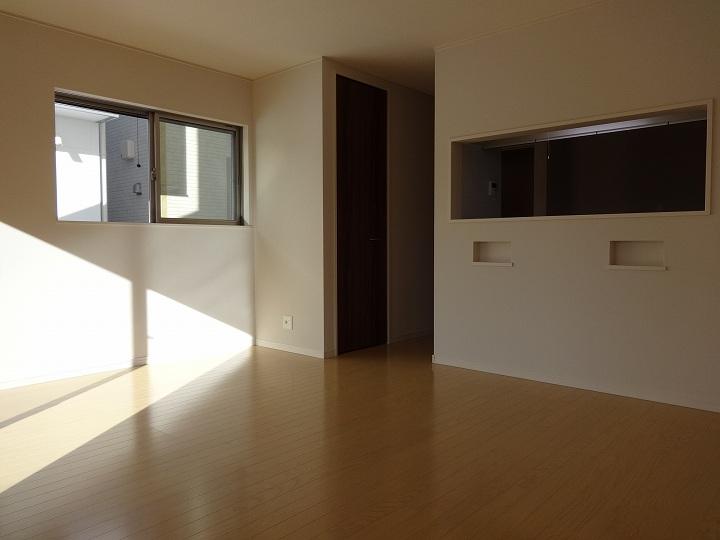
x: 392, y: 39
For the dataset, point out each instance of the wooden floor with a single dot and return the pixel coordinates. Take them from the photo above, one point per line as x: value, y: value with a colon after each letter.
x: 377, y: 444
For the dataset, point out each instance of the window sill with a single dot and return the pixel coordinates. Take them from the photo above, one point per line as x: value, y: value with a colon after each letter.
x: 498, y: 264
x: 583, y: 216
x: 156, y: 224
x: 639, y: 267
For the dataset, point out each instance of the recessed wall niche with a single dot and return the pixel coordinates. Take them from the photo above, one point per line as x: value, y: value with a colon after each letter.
x: 633, y: 165
x: 492, y: 253
x: 637, y: 255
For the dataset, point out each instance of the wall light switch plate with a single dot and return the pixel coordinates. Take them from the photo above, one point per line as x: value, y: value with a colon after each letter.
x: 287, y: 322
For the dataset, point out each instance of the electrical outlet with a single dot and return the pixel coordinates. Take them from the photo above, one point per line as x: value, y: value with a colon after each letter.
x: 287, y: 321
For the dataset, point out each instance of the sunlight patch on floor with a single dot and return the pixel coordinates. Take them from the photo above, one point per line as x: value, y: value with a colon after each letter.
x: 20, y: 400
x: 32, y: 443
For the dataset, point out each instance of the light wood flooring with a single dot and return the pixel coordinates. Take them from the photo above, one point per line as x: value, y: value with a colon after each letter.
x: 375, y: 444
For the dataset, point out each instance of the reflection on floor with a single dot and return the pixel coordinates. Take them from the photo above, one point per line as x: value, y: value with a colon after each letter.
x: 378, y: 443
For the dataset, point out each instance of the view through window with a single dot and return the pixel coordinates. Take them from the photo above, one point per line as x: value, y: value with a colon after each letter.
x: 119, y: 164
x: 649, y: 164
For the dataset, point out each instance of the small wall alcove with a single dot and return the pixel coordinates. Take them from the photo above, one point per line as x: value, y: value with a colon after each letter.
x: 492, y: 253
x: 637, y: 255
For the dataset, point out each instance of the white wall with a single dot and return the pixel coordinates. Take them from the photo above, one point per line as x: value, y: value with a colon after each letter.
x: 559, y: 315
x: 410, y: 213
x: 289, y: 204
x: 81, y: 297
x: 78, y: 167
x: 295, y: 214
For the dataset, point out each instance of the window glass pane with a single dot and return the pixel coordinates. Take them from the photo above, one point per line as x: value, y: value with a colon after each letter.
x: 197, y: 176
x: 101, y: 165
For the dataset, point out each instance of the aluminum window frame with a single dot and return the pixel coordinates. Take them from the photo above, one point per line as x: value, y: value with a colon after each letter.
x: 182, y: 120
x: 154, y: 117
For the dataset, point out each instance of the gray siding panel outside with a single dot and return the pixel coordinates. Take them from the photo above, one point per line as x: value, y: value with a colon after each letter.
x: 196, y: 172
x: 122, y: 174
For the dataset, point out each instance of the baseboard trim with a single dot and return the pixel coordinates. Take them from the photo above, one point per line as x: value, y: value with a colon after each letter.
x: 289, y: 348
x: 677, y: 399
x: 69, y: 374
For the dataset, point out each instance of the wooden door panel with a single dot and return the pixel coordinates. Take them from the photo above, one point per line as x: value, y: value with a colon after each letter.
x: 361, y: 215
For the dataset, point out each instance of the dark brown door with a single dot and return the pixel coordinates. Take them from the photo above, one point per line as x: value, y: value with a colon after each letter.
x: 361, y: 215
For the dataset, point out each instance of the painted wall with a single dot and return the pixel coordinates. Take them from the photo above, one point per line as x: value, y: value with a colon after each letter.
x: 79, y: 169
x: 559, y: 315
x: 295, y: 183
x: 289, y: 202
x: 410, y: 213
x: 81, y: 297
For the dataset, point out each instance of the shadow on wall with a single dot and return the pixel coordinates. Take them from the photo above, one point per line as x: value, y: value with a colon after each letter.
x: 83, y: 297
x: 89, y: 298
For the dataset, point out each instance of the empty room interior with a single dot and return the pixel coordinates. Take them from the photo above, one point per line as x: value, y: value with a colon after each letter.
x: 388, y: 269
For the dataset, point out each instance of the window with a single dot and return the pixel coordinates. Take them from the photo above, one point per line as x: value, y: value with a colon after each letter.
x: 197, y: 171
x: 646, y: 164
x: 116, y: 163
